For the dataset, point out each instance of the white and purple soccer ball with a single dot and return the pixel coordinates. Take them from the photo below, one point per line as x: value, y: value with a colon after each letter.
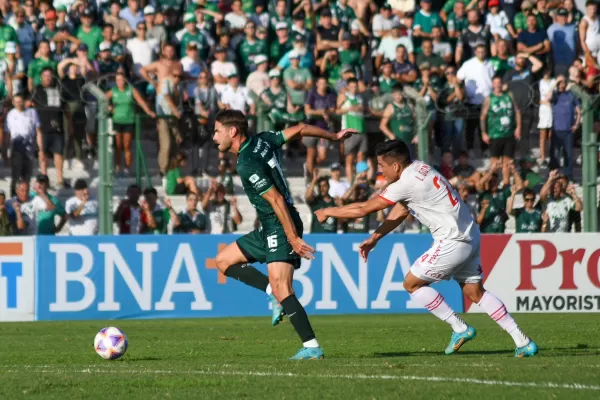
x: 110, y: 343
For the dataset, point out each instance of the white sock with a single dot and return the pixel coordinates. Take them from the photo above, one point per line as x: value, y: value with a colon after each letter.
x: 311, y: 343
x: 432, y: 300
x: 497, y: 311
x: 269, y: 290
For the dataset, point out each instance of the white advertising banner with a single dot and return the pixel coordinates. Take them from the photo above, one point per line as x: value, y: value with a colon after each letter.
x: 17, y: 283
x: 542, y: 272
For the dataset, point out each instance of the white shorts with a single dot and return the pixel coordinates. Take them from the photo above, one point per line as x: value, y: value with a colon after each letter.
x: 450, y: 259
x: 545, y: 121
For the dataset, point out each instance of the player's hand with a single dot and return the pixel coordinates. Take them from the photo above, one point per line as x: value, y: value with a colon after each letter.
x: 553, y: 174
x: 315, y: 174
x: 545, y: 217
x: 302, y: 249
x: 518, y: 133
x: 366, y: 246
x: 571, y: 189
x: 168, y: 203
x: 345, y: 134
x: 485, y: 138
x: 321, y: 215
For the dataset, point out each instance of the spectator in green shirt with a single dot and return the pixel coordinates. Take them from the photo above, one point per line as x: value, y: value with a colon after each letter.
x: 521, y: 18
x: 319, y: 201
x: 528, y: 218
x: 297, y: 80
x: 176, y: 183
x: 425, y: 20
x: 189, y: 221
x: 89, y: 34
x: 282, y: 44
x: 349, y: 55
x: 154, y: 218
x: 36, y: 66
x: 47, y: 207
x: 7, y: 34
x: 436, y: 63
x: 457, y: 22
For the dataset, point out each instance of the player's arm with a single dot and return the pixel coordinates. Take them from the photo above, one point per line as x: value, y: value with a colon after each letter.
x: 355, y: 210
x: 304, y: 130
x: 517, y: 117
x: 483, y: 120
x: 393, y: 220
x: 277, y: 201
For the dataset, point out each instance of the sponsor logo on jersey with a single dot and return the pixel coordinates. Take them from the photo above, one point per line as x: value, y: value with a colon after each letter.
x: 254, y: 178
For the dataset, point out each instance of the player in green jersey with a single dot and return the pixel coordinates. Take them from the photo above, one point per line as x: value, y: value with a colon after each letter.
x: 278, y: 242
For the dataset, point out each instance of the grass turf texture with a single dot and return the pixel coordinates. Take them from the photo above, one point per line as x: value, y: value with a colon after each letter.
x: 373, y: 356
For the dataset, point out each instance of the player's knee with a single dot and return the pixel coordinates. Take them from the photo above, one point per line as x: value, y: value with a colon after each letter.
x: 280, y: 287
x: 222, y: 262
x: 474, y: 292
x: 410, y: 286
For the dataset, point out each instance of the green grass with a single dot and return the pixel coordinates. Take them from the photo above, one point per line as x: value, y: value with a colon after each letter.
x: 367, y: 357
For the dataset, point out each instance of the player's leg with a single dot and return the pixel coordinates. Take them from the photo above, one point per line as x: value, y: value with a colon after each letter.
x: 281, y: 276
x: 437, y: 264
x: 232, y: 262
x: 496, y: 309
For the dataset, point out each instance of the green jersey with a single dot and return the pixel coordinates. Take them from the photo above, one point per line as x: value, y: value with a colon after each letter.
x: 191, y: 222
x: 495, y: 217
x: 123, y: 105
x: 456, y: 24
x: 501, y: 66
x: 402, y: 122
x: 278, y: 100
x: 279, y: 49
x: 45, y: 219
x: 344, y: 14
x: 521, y: 21
x: 197, y: 38
x: 7, y: 34
x: 353, y: 119
x: 92, y: 39
x: 386, y: 84
x: 161, y: 217
x: 350, y: 57
x: 259, y: 168
x: 333, y: 72
x: 436, y: 84
x: 3, y: 91
x: 330, y: 225
x: 501, y: 116
x: 300, y: 75
x: 426, y: 22
x: 449, y: 5
x: 36, y: 66
x: 528, y: 221
x: 249, y: 50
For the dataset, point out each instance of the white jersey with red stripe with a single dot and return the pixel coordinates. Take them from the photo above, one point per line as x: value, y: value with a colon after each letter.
x: 433, y: 201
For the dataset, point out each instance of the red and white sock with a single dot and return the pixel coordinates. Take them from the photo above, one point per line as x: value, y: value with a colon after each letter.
x: 497, y: 311
x: 432, y: 300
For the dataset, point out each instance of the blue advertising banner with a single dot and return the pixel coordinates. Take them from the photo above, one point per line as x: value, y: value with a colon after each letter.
x: 115, y: 277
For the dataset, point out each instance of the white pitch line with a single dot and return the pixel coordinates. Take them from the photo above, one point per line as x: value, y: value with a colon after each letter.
x: 487, y: 382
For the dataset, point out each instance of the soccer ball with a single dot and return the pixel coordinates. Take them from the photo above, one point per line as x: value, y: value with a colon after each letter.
x: 110, y: 343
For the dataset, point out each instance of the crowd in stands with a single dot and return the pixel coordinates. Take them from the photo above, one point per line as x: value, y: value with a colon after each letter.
x: 487, y: 79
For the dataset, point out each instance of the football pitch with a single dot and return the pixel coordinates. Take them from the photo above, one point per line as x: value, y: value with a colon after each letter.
x: 367, y: 357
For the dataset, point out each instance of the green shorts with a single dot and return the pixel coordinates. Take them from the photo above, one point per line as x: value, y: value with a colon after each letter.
x: 268, y: 243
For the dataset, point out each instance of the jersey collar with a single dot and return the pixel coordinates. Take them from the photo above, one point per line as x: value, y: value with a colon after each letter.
x: 244, y: 145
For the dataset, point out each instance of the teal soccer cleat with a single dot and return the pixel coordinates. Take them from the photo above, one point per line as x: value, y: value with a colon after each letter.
x: 309, y: 353
x: 527, y: 351
x: 458, y: 339
x: 278, y: 312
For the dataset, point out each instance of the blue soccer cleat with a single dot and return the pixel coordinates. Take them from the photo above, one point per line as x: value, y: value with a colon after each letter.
x: 278, y: 312
x: 309, y: 353
x: 527, y: 351
x: 458, y: 339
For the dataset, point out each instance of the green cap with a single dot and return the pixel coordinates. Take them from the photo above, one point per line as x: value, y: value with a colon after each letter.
x: 62, y: 8
x: 189, y: 17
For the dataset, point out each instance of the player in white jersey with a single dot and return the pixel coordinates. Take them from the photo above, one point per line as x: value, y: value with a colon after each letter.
x: 415, y: 188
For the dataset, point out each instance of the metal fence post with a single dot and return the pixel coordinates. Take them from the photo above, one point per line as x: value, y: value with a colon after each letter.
x: 589, y: 155
x: 105, y: 161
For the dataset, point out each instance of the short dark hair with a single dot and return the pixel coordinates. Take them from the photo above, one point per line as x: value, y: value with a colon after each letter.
x: 150, y: 190
x: 187, y: 196
x: 396, y: 149
x: 233, y: 118
x: 352, y: 80
x: 80, y: 184
x: 133, y: 186
x: 527, y: 192
x: 397, y: 88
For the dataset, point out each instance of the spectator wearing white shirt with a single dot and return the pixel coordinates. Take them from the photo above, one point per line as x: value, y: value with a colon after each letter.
x: 142, y: 50
x: 221, y: 69
x: 388, y: 45
x: 82, y: 212
x: 476, y: 74
x: 23, y: 126
x: 337, y: 187
x: 236, y: 97
x: 384, y: 21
